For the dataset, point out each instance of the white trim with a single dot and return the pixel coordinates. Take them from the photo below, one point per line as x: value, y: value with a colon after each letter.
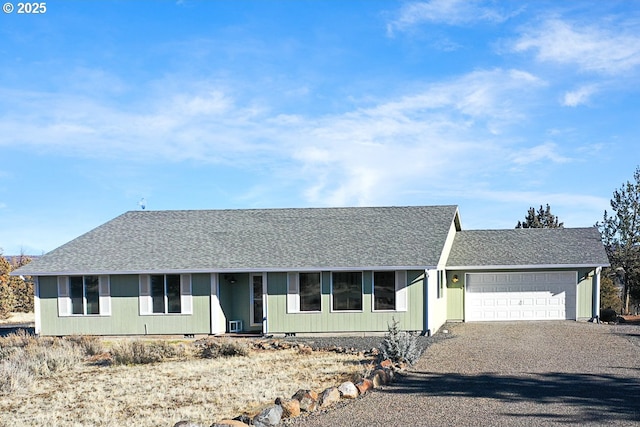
x: 595, y: 310
x: 104, y: 295
x: 145, y: 304
x: 252, y: 299
x: 64, y: 297
x: 402, y: 291
x: 37, y: 310
x: 523, y: 267
x: 293, y: 292
x: 218, y: 319
x: 186, y: 292
x: 242, y: 270
x: 361, y: 292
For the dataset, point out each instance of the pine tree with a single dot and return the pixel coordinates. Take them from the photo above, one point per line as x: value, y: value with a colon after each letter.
x: 543, y: 218
x: 621, y: 237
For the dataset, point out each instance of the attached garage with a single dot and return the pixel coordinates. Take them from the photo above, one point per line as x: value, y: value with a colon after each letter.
x: 521, y: 296
x: 525, y: 274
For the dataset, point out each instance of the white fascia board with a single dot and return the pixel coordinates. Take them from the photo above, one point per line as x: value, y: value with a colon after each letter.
x: 231, y: 270
x: 522, y: 267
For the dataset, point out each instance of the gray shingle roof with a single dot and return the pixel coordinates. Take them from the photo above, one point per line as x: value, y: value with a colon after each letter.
x: 256, y: 239
x: 532, y: 246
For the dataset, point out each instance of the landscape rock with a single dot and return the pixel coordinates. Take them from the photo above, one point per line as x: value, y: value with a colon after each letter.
x: 229, y: 423
x: 308, y: 400
x: 377, y: 378
x: 290, y: 407
x: 269, y: 417
x: 364, y: 386
x: 329, y: 397
x: 187, y: 423
x: 348, y: 390
x: 386, y: 363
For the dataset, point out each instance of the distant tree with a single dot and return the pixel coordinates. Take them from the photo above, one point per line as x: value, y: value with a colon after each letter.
x: 16, y: 293
x: 543, y: 218
x: 609, y: 294
x: 621, y: 237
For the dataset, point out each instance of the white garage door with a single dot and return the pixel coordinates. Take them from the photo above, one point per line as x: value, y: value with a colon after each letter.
x: 520, y: 296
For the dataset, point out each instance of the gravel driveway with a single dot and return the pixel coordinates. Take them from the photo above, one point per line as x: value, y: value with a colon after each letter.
x: 512, y: 374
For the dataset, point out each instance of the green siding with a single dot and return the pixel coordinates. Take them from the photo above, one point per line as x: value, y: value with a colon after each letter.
x: 279, y: 321
x: 455, y: 296
x: 125, y: 318
x: 586, y: 282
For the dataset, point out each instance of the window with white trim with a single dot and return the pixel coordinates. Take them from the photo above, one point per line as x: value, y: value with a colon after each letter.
x: 304, y: 292
x: 165, y: 294
x: 441, y: 280
x: 346, y: 291
x: 84, y: 295
x: 389, y: 290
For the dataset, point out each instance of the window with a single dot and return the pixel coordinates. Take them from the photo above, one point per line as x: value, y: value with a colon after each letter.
x: 256, y: 299
x: 304, y: 293
x: 384, y: 290
x: 346, y: 291
x: 390, y: 290
x: 84, y: 295
x: 165, y: 294
x: 310, y: 292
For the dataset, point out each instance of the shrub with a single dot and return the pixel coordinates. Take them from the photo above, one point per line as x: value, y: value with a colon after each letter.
x: 214, y: 349
x: 139, y: 352
x: 23, y: 358
x: 90, y: 345
x: 45, y: 359
x: 14, y: 376
x: 399, y: 346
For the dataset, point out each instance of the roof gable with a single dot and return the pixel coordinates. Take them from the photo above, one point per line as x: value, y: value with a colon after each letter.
x: 528, y: 247
x: 255, y: 239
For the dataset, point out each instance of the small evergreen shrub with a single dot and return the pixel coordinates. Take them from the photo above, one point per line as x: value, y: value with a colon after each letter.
x: 399, y: 346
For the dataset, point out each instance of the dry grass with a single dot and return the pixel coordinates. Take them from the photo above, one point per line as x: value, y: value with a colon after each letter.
x: 160, y: 394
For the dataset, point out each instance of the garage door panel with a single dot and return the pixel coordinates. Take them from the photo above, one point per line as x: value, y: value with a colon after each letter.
x: 520, y: 296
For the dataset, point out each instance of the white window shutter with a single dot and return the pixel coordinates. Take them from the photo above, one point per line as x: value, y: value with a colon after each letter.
x: 64, y: 297
x: 105, y: 295
x: 145, y: 294
x: 401, y: 291
x: 293, y: 293
x: 186, y: 300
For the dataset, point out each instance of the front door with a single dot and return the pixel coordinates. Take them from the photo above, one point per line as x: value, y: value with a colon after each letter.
x: 257, y: 291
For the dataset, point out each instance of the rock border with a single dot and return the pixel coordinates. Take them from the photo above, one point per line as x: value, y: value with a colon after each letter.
x: 306, y: 401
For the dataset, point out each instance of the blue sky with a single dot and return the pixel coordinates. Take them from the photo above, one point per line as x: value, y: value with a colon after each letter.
x: 494, y: 106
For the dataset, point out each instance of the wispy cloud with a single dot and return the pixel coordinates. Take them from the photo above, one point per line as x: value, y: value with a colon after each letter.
x: 363, y: 156
x: 548, y: 151
x: 579, y: 96
x: 606, y: 49
x: 449, y: 12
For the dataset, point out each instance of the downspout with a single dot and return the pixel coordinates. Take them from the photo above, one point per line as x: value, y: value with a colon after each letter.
x: 427, y: 308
